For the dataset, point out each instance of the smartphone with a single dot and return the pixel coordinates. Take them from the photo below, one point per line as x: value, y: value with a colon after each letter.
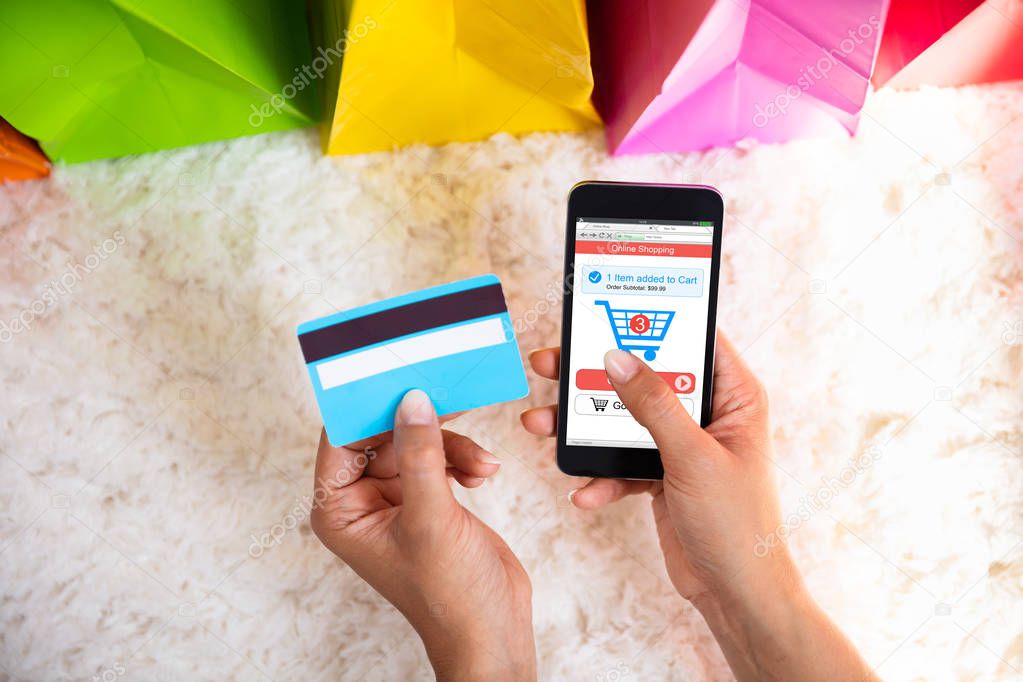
x: 641, y: 275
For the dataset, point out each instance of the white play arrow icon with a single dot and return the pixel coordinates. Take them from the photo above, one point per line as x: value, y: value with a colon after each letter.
x: 683, y: 383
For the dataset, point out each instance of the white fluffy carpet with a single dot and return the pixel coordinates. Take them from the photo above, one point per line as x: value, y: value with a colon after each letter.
x: 157, y: 413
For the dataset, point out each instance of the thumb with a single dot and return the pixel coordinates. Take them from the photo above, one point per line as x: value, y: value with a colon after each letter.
x: 419, y: 448
x: 655, y: 406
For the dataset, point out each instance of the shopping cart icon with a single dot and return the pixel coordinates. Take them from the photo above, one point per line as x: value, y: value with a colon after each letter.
x: 599, y: 403
x: 636, y: 329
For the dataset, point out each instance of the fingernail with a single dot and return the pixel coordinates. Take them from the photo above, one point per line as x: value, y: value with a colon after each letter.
x: 484, y: 457
x: 571, y: 494
x: 621, y: 365
x: 416, y: 409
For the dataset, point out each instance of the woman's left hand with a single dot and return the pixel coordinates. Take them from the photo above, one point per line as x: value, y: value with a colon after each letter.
x: 386, y: 508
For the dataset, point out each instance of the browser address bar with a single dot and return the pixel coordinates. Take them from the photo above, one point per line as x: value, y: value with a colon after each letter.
x: 691, y: 237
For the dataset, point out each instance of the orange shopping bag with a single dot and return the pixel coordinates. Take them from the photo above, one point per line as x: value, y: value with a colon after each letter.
x: 20, y: 157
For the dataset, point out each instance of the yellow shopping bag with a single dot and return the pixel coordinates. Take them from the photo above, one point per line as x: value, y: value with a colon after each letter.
x: 435, y: 71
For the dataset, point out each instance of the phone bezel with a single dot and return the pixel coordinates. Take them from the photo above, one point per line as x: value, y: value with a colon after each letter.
x: 643, y: 202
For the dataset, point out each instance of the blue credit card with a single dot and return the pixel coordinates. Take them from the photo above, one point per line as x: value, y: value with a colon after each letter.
x: 454, y: 341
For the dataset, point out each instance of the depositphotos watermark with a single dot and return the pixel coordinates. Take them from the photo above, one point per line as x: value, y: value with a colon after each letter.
x: 811, y: 74
x: 307, y: 74
x: 555, y: 294
x: 74, y: 272
x: 1012, y: 332
x: 817, y: 501
x: 109, y: 674
x: 615, y: 673
x: 305, y: 505
x: 542, y: 306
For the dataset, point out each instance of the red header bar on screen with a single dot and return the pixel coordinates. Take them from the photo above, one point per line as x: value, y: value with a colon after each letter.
x: 644, y: 249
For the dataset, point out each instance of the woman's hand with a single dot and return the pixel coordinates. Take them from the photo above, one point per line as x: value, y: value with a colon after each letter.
x: 717, y: 516
x: 385, y: 507
x: 706, y: 541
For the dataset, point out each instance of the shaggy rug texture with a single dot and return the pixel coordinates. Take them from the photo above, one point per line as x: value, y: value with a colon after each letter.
x: 158, y: 422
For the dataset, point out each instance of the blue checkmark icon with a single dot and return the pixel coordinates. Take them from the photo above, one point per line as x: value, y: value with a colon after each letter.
x: 594, y: 276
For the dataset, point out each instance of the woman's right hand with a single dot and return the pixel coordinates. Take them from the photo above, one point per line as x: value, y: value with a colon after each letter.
x: 718, y: 518
x: 707, y: 543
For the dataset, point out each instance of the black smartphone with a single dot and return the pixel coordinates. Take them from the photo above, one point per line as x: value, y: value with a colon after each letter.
x: 641, y: 275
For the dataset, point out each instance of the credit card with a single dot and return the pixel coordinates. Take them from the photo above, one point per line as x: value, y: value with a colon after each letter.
x: 454, y: 341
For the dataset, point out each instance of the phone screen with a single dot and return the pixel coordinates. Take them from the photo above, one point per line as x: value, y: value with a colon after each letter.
x: 641, y: 286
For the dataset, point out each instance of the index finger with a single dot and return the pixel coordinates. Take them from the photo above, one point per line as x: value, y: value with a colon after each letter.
x: 546, y: 361
x: 337, y: 467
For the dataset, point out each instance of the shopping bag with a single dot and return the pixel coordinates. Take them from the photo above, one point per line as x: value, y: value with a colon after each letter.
x: 950, y: 43
x: 680, y: 76
x: 20, y: 157
x: 451, y: 70
x: 100, y: 78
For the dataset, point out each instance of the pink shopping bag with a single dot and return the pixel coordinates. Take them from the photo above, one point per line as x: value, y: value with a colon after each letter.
x: 679, y: 76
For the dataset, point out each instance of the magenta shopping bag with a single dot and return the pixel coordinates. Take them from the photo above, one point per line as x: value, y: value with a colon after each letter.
x: 681, y: 76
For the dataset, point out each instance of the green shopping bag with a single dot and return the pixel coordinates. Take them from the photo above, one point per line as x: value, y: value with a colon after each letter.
x: 92, y: 79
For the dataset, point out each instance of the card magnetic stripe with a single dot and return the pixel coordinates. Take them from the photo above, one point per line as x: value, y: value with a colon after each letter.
x: 411, y: 318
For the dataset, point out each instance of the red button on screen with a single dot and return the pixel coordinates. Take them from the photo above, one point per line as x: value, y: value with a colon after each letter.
x: 592, y: 380
x: 596, y: 380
